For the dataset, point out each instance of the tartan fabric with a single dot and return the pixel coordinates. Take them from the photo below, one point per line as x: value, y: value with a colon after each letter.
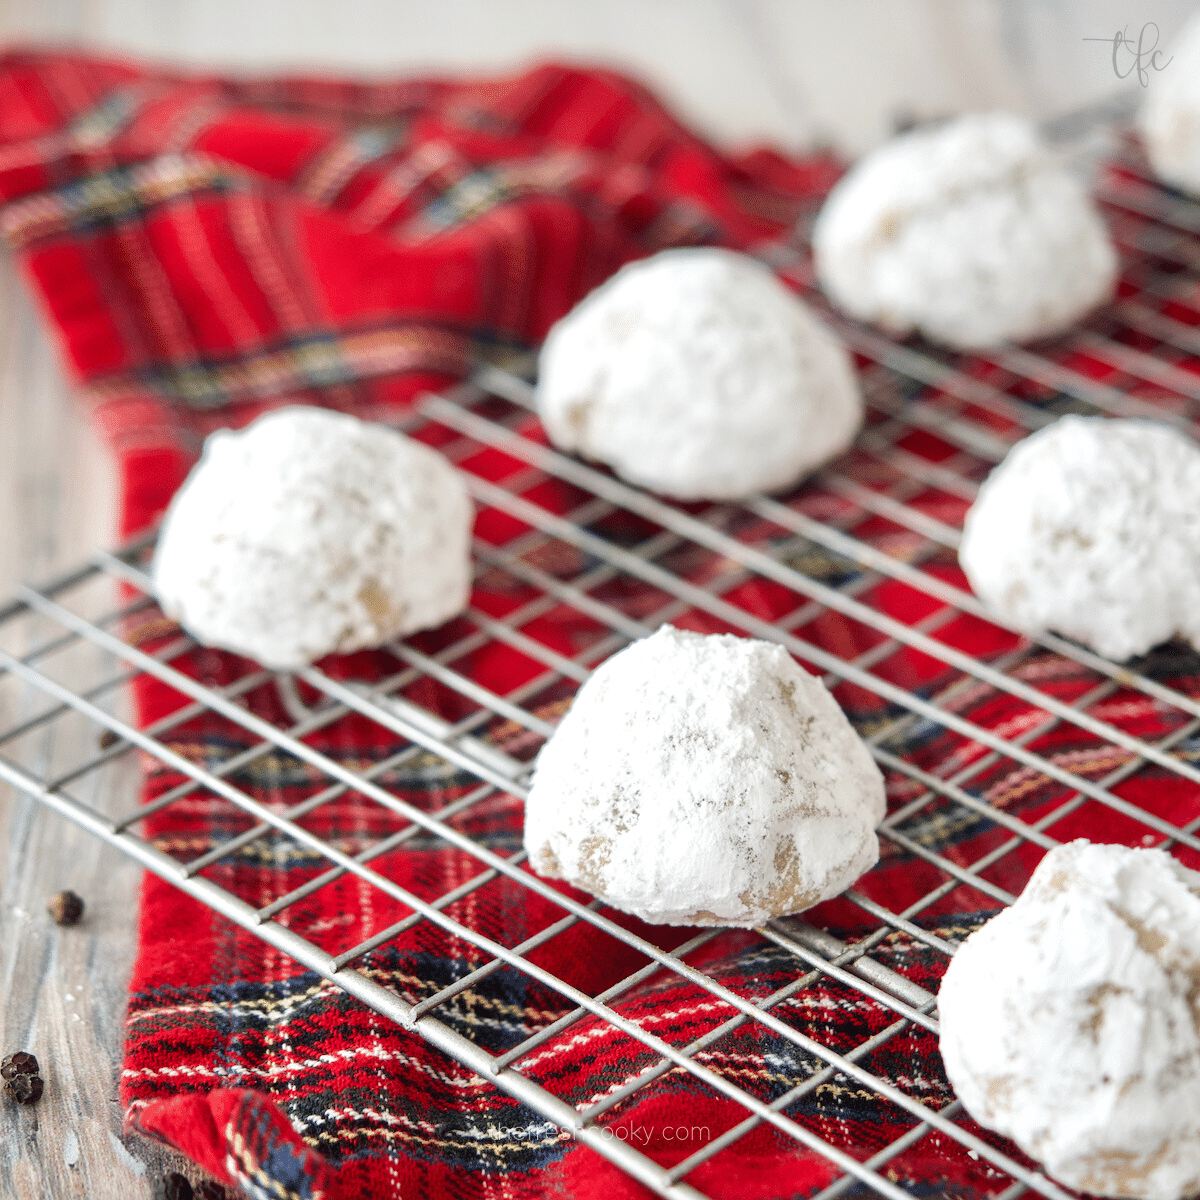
x: 206, y: 248
x: 238, y: 1134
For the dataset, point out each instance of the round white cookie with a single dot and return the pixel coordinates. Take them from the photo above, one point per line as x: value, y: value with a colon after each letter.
x: 1091, y: 528
x: 311, y: 532
x: 704, y: 781
x: 1170, y: 116
x: 968, y: 232
x: 1069, y: 1021
x: 696, y: 373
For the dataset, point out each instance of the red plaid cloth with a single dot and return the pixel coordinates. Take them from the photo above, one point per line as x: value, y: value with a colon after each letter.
x: 207, y: 248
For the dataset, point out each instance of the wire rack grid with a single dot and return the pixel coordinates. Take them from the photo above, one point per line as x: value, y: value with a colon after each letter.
x: 858, y: 570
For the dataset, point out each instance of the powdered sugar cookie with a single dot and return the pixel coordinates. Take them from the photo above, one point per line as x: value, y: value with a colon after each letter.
x: 1069, y: 1022
x: 311, y: 532
x: 704, y: 781
x: 1170, y: 117
x: 968, y: 232
x: 698, y: 374
x: 1091, y: 528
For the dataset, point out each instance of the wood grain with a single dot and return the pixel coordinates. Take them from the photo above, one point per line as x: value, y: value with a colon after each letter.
x: 63, y: 992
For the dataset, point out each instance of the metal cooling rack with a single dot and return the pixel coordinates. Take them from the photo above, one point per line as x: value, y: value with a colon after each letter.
x: 936, y: 425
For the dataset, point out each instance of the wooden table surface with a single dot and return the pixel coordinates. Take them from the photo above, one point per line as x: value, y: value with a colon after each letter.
x: 62, y: 990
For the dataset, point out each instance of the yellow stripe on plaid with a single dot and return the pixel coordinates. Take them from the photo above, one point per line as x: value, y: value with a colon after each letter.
x: 107, y: 196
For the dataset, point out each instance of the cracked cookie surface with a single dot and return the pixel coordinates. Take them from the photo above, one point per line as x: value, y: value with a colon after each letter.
x: 1091, y: 528
x: 704, y: 780
x: 1069, y: 1021
x: 969, y: 232
x: 311, y: 532
x: 698, y: 374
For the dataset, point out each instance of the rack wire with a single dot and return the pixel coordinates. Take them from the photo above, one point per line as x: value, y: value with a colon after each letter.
x: 836, y: 556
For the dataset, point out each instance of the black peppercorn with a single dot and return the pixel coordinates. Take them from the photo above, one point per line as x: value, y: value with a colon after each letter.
x: 66, y: 908
x: 16, y: 1064
x: 212, y: 1191
x: 107, y: 739
x: 173, y: 1186
x: 25, y: 1089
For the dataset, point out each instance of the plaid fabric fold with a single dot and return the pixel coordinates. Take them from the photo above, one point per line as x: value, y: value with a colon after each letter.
x: 207, y: 248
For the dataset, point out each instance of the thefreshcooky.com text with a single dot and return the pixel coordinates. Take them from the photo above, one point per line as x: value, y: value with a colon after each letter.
x: 643, y: 1135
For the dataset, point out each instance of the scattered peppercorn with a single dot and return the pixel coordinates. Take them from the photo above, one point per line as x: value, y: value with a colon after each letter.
x: 212, y: 1191
x: 107, y: 738
x: 25, y: 1089
x: 19, y: 1073
x: 173, y: 1186
x: 16, y: 1064
x: 66, y: 908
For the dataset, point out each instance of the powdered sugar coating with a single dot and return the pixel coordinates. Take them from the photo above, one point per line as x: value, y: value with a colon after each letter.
x: 1069, y: 1022
x: 1091, y: 528
x: 698, y: 374
x: 311, y: 532
x: 704, y: 781
x: 1170, y: 117
x: 969, y: 232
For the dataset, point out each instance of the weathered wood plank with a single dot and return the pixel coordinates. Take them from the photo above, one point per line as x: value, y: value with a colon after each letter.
x: 63, y: 992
